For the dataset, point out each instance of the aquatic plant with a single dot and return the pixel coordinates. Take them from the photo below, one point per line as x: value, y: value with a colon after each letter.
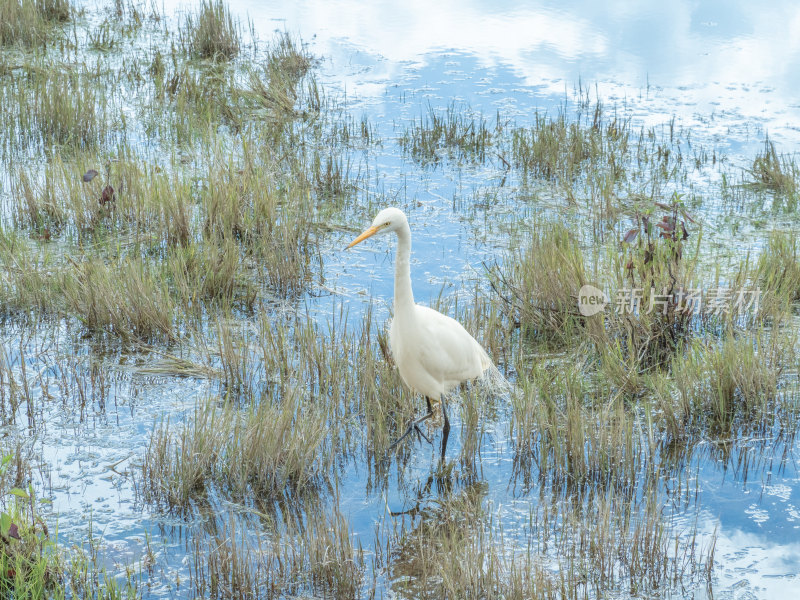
x: 30, y: 22
x: 213, y: 32
x: 778, y: 174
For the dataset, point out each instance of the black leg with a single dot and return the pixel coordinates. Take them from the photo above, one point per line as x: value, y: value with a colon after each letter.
x: 445, y: 429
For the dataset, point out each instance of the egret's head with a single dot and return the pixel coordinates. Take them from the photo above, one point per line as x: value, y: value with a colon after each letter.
x: 389, y: 219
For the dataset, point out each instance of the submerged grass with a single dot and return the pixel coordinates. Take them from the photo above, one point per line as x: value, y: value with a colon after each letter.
x: 456, y: 550
x: 579, y: 438
x: 734, y: 385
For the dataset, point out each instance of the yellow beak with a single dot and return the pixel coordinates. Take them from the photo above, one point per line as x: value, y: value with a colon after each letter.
x: 368, y: 233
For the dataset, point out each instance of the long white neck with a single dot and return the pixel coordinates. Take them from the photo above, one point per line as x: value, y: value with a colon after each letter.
x: 403, y: 296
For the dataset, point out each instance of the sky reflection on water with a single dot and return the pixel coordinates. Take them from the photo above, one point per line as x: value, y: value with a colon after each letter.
x: 708, y: 57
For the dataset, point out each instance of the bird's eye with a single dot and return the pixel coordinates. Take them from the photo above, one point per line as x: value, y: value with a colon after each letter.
x: 387, y: 224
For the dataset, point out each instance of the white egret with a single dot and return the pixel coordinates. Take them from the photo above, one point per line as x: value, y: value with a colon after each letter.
x: 433, y: 352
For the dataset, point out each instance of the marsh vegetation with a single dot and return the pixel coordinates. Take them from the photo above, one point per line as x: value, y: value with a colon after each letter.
x: 174, y: 200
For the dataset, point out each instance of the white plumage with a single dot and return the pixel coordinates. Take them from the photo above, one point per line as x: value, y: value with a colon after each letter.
x: 433, y: 352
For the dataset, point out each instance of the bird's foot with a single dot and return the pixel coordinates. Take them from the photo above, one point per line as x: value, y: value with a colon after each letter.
x: 420, y: 434
x: 413, y: 427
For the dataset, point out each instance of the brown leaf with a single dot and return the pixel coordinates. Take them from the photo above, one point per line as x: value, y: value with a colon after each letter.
x: 631, y: 235
x: 89, y: 175
x: 13, y: 531
x: 685, y: 214
x: 666, y: 226
x: 685, y: 233
x: 108, y: 195
x: 663, y: 206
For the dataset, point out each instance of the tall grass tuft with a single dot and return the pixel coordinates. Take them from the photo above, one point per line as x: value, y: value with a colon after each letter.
x: 776, y: 173
x: 540, y: 284
x: 778, y: 271
x: 578, y: 435
x: 28, y: 283
x: 562, y: 148
x: 30, y: 22
x: 51, y: 105
x: 734, y: 383
x: 265, y: 448
x: 273, y: 86
x: 213, y: 33
x: 126, y: 300
x: 452, y: 132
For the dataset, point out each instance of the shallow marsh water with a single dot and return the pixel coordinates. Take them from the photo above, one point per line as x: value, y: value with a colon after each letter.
x: 726, y: 74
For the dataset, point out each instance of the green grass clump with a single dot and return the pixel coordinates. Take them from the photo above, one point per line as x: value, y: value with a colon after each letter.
x: 30, y: 22
x: 733, y: 383
x: 575, y: 433
x: 453, y: 132
x: 543, y: 281
x: 778, y: 271
x: 562, y: 148
x: 213, y: 33
x: 30, y: 565
x: 773, y: 172
x: 272, y: 88
x: 54, y: 10
x: 28, y: 286
x: 29, y: 562
x: 53, y: 105
x: 264, y: 448
x: 208, y: 273
x: 126, y: 299
x: 105, y: 38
